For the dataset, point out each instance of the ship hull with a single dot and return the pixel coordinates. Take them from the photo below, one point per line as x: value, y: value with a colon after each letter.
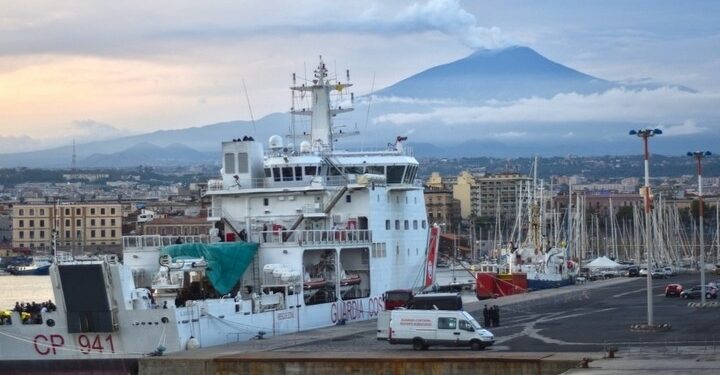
x: 115, y: 366
x: 492, y: 285
x: 540, y: 283
x: 40, y: 271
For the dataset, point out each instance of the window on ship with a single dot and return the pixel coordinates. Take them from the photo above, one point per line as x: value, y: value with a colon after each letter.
x: 410, y: 175
x: 376, y: 169
x: 354, y: 170
x: 287, y: 173
x: 395, y: 174
x: 354, y: 273
x: 276, y: 174
x: 335, y: 171
x: 310, y: 171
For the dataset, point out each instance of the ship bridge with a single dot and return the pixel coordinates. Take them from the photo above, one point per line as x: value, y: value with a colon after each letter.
x: 246, y: 167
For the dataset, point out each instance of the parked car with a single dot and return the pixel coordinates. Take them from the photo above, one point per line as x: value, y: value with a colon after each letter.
x: 643, y: 272
x: 658, y: 274
x: 669, y: 271
x: 673, y: 290
x: 633, y: 271
x: 694, y: 292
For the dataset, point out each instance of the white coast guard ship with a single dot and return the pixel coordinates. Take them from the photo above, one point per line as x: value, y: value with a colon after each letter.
x: 311, y: 237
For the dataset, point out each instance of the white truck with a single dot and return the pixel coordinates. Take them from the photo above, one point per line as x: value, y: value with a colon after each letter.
x: 425, y: 328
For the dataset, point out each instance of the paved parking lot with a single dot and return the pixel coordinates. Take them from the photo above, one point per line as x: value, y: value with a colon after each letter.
x: 603, y: 316
x: 576, y: 320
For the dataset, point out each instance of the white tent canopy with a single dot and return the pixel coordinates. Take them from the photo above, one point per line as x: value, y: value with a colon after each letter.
x: 603, y: 262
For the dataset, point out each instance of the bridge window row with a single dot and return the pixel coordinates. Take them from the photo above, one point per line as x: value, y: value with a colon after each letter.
x: 394, y: 174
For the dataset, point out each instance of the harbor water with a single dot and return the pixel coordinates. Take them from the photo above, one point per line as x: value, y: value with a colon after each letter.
x: 24, y: 289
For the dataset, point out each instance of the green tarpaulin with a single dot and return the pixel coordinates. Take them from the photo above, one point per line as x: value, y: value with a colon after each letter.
x: 227, y: 261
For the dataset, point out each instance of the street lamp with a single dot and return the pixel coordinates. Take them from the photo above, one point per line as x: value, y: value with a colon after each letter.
x: 645, y: 134
x: 698, y: 156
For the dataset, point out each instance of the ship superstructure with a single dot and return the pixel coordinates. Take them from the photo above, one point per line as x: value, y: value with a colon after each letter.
x: 304, y: 236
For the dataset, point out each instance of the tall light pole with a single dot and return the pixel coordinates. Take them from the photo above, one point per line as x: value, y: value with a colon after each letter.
x: 698, y: 156
x: 645, y: 134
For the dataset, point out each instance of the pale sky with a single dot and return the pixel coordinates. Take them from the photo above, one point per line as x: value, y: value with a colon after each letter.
x: 95, y: 69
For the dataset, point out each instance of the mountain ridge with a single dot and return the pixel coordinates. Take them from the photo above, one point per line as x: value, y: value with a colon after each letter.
x: 485, y: 75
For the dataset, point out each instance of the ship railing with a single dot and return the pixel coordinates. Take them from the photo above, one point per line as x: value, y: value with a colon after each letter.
x: 316, y: 181
x: 160, y: 241
x: 313, y: 237
x: 373, y: 150
x: 256, y: 183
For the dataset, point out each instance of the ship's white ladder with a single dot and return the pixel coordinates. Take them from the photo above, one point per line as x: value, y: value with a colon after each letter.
x: 328, y: 207
x: 328, y: 160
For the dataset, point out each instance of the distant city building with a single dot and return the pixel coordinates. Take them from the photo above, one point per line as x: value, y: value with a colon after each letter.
x: 574, y: 180
x: 599, y: 202
x: 81, y: 225
x: 5, y: 228
x: 633, y: 182
x: 442, y: 208
x: 89, y: 177
x: 489, y: 195
x: 619, y: 188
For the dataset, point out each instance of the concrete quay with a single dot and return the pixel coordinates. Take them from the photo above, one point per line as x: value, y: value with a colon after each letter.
x: 696, y: 364
x: 538, y: 336
x: 370, y: 363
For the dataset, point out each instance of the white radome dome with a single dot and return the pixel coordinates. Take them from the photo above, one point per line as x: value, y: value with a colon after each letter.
x: 275, y: 142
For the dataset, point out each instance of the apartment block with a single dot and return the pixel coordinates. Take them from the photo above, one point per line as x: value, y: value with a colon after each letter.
x: 489, y: 195
x: 78, y: 225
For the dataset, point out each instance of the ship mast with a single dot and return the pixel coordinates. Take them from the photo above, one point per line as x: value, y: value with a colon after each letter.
x: 322, y: 110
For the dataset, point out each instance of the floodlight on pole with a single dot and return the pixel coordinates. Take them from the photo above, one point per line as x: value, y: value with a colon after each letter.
x: 698, y: 156
x: 645, y: 134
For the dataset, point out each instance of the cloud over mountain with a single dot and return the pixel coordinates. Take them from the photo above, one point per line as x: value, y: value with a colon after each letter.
x: 88, y: 130
x: 658, y: 106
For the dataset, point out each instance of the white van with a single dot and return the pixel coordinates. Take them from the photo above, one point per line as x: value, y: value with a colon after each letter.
x: 423, y: 328
x: 383, y: 324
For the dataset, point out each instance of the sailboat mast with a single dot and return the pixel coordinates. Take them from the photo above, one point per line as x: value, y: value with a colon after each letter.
x: 569, y: 219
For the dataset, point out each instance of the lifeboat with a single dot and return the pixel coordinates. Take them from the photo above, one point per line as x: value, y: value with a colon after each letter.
x: 351, y: 279
x: 314, y: 283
